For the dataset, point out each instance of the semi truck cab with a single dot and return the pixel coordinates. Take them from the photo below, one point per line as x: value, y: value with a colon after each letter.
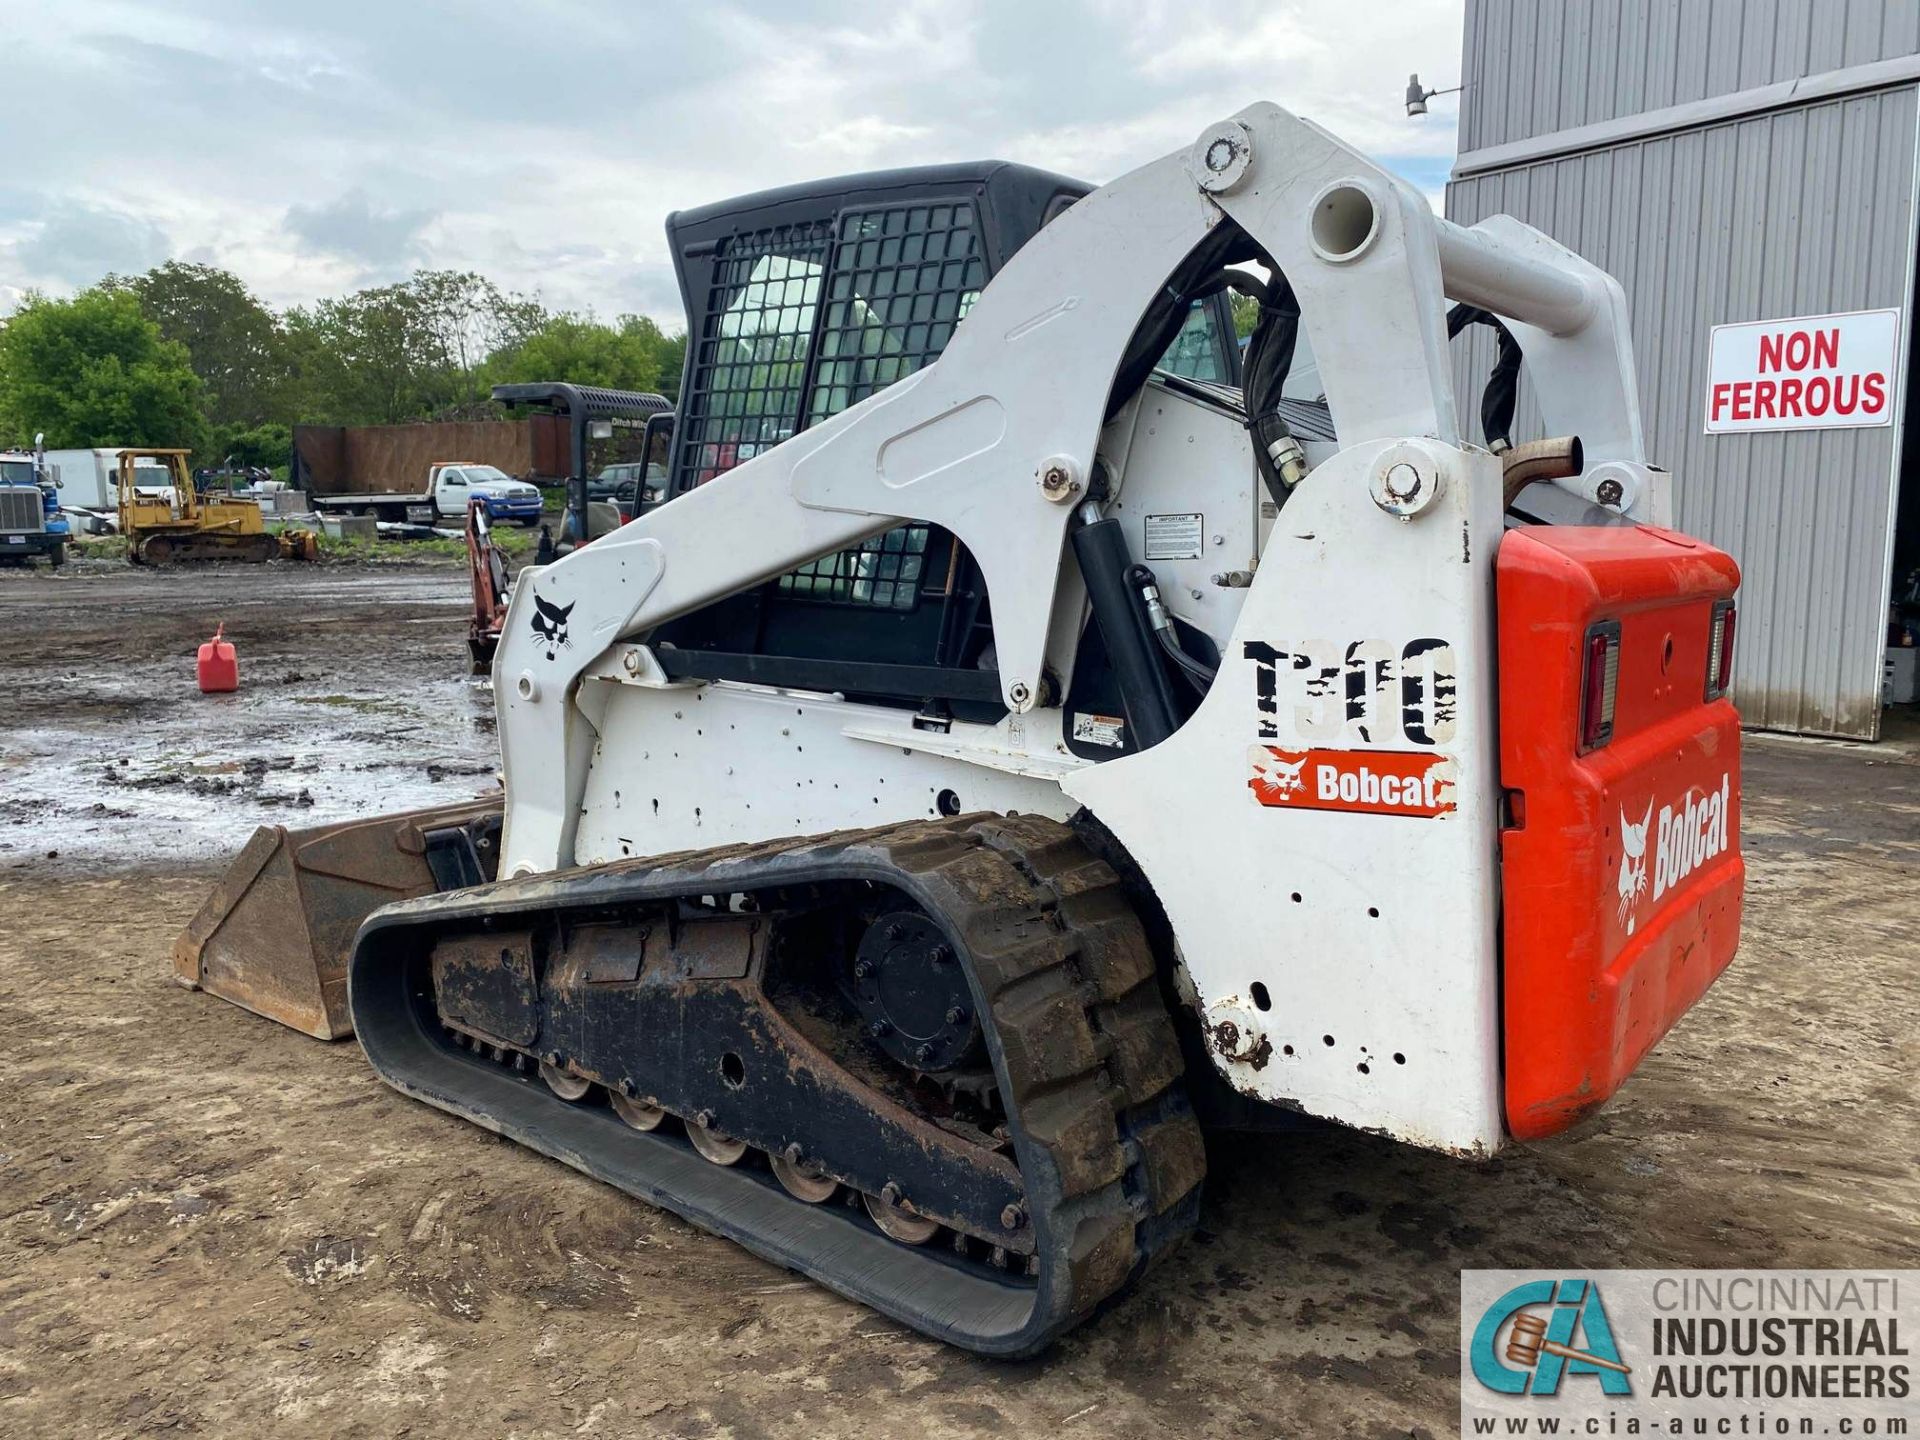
x: 30, y: 519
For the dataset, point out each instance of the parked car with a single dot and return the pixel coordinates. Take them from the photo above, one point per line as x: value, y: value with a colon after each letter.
x: 621, y: 483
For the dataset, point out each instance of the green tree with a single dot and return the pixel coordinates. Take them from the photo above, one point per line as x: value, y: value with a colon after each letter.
x: 269, y: 445
x: 236, y: 344
x: 94, y: 370
x: 364, y: 359
x: 630, y: 354
x: 402, y: 352
x: 464, y: 318
x: 673, y: 359
x: 1246, y: 314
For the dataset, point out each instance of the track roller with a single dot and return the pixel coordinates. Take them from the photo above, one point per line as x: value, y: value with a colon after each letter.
x: 898, y: 1222
x: 564, y: 1083
x: 801, y: 1180
x: 639, y: 1114
x: 715, y: 1146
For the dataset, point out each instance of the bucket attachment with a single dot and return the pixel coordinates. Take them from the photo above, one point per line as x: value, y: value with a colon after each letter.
x: 274, y: 935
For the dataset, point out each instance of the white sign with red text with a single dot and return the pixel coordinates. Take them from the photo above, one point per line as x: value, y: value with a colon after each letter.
x: 1819, y: 372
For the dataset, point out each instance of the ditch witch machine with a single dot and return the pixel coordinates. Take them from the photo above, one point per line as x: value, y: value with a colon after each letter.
x: 1030, y: 733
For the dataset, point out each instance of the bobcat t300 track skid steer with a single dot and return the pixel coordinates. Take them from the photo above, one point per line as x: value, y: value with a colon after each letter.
x: 1030, y: 731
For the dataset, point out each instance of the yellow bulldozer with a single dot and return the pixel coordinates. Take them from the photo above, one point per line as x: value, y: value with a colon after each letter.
x: 172, y: 522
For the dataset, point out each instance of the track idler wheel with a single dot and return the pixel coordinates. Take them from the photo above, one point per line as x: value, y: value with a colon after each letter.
x: 565, y: 1084
x: 912, y: 991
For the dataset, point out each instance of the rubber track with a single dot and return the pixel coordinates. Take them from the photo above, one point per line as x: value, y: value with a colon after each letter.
x: 1090, y: 1069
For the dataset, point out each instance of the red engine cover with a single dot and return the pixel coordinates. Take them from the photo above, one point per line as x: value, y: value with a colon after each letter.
x: 1621, y: 870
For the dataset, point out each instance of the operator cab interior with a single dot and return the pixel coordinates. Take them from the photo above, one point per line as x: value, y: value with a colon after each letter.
x: 805, y: 301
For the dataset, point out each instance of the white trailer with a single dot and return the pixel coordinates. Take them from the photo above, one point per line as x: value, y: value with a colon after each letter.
x: 88, y: 480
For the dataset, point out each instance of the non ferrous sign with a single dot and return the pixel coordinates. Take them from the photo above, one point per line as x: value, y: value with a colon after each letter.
x: 1816, y: 372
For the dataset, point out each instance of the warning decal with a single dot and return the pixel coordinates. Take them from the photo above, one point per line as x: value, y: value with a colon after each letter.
x: 1108, y: 730
x: 1174, y: 537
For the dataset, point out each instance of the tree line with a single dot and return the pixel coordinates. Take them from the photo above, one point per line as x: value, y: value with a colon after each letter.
x: 185, y: 355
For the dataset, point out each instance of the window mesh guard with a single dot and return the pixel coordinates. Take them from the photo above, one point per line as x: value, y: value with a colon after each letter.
x: 882, y: 573
x: 750, y: 364
x: 903, y: 277
x: 900, y: 279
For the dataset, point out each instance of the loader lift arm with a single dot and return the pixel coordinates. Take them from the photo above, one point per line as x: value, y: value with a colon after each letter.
x: 995, y: 440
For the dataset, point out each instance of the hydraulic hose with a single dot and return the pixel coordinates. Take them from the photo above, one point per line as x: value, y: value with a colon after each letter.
x: 1197, y: 675
x: 1144, y: 582
x: 1502, y: 394
x: 1278, y: 456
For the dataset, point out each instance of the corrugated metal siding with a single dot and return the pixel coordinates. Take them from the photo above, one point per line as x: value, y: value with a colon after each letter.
x: 1536, y: 66
x: 1799, y: 212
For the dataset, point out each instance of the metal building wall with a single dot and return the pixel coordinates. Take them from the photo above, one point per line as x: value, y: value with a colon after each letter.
x: 1805, y: 209
x: 1537, y: 66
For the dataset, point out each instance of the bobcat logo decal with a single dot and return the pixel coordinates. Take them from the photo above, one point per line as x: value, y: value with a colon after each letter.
x: 550, y: 625
x: 1283, y: 779
x: 1633, y: 864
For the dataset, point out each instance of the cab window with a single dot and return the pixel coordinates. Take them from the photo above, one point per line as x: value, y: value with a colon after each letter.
x: 1199, y: 351
x: 903, y: 277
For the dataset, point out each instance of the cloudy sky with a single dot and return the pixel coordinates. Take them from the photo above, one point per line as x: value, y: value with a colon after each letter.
x: 313, y: 149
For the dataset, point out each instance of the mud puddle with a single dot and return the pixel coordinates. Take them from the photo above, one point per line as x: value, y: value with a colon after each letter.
x: 190, y: 787
x: 354, y: 700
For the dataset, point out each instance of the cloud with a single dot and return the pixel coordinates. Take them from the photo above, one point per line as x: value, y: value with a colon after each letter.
x: 311, y: 149
x: 354, y: 228
x: 862, y: 138
x: 1187, y: 43
x: 74, y: 244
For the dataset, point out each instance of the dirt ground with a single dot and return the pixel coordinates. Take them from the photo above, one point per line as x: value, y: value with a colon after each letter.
x: 209, y: 1224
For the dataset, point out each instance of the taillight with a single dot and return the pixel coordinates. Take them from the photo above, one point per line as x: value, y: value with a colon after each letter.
x: 1599, y: 684
x: 1720, y: 651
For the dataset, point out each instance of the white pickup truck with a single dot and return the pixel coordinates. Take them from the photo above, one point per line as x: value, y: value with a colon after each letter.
x: 450, y: 485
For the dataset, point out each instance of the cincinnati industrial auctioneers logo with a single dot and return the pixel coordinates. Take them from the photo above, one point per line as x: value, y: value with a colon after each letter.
x: 1540, y: 1334
x: 1688, y: 1352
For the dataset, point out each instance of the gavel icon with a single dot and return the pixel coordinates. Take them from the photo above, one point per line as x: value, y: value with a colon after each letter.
x: 1529, y: 1342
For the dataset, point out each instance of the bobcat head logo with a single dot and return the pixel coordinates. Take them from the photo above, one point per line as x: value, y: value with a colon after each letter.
x: 1279, y: 776
x: 1633, y: 864
x: 550, y: 624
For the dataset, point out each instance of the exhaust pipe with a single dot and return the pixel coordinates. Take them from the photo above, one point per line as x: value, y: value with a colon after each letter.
x: 1556, y: 459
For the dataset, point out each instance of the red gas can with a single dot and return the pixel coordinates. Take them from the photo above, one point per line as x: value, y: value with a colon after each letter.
x: 218, y: 669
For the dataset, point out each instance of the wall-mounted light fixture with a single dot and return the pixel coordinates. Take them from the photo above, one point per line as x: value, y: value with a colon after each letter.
x: 1418, y: 95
